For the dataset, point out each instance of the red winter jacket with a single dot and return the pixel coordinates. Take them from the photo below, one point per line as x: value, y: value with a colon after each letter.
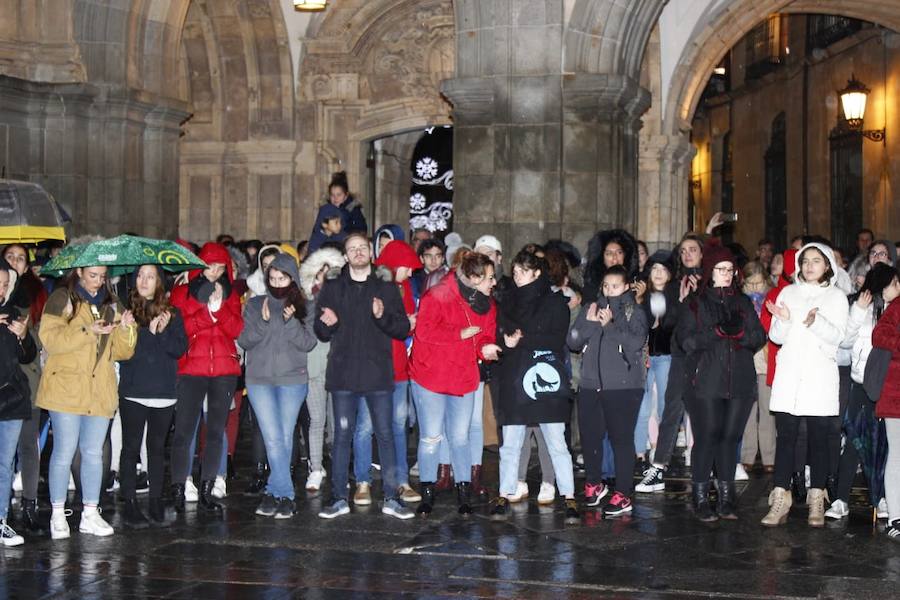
x: 887, y: 335
x: 211, y: 336
x: 442, y: 362
x: 765, y: 317
x: 395, y: 255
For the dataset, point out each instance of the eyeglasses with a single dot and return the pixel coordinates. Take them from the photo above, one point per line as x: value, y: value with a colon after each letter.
x: 879, y: 254
x: 724, y: 270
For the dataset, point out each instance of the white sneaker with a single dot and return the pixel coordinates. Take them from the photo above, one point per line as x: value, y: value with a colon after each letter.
x: 882, y: 511
x: 838, y: 510
x: 59, y: 526
x: 17, y: 482
x: 521, y: 493
x: 547, y: 494
x: 218, y: 490
x: 740, y: 474
x: 92, y: 523
x: 414, y: 470
x: 314, y: 481
x: 8, y: 535
x: 71, y: 483
x: 190, y: 491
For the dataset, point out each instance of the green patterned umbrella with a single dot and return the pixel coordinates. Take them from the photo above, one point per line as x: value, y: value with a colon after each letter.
x: 123, y: 254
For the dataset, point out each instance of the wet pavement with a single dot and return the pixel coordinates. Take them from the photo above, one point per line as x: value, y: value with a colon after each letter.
x: 659, y: 551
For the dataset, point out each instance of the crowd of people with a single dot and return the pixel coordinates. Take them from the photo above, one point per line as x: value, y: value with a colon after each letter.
x: 767, y: 361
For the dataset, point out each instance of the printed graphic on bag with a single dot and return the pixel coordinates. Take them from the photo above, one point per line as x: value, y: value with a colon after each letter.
x: 542, y: 377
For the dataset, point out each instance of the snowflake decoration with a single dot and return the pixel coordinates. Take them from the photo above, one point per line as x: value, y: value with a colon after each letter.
x: 427, y: 168
x: 418, y: 222
x: 417, y: 201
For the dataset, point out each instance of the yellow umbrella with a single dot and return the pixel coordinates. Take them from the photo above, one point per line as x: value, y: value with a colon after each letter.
x: 28, y: 214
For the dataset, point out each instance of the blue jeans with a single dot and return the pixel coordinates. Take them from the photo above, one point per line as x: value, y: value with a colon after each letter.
x: 658, y: 373
x: 345, y: 407
x: 555, y: 436
x: 9, y: 439
x: 440, y: 415
x: 77, y: 432
x: 476, y: 432
x: 362, y: 441
x: 276, y: 408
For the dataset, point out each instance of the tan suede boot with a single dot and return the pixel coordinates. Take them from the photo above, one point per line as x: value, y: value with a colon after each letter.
x: 815, y: 499
x: 780, y: 501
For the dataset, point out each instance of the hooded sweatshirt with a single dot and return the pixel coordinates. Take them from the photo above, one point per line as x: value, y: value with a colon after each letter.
x: 394, y: 232
x: 211, y: 330
x: 806, y: 382
x: 277, y: 349
x: 395, y: 255
x: 257, y: 280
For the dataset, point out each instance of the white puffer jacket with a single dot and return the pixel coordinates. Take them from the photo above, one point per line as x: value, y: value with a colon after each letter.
x: 807, y: 381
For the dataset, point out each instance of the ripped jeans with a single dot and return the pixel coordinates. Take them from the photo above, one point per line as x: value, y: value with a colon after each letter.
x: 439, y: 414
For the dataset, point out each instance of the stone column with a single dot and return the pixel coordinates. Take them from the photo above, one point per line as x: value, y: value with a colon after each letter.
x: 665, y: 162
x: 538, y: 153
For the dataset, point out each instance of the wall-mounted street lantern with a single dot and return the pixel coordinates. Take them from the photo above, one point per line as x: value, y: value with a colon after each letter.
x: 853, y: 101
x: 310, y: 5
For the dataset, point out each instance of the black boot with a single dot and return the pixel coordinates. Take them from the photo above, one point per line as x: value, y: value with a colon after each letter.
x: 30, y: 517
x: 178, y: 497
x: 798, y: 487
x: 427, y: 504
x: 702, y: 509
x: 208, y: 502
x: 230, y: 467
x: 258, y: 480
x: 464, y: 498
x: 133, y: 516
x: 726, y: 504
x: 157, y: 512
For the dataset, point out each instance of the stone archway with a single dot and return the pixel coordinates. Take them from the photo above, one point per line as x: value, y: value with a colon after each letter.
x: 237, y: 151
x: 713, y: 36
x: 369, y: 71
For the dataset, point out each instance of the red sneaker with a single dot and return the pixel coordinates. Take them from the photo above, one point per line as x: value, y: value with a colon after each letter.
x: 594, y: 493
x: 617, y: 505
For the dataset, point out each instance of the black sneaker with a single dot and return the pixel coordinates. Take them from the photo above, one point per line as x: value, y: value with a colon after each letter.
x: 501, y: 510
x: 142, y: 483
x: 268, y: 506
x: 653, y: 481
x: 594, y: 493
x: 286, y: 508
x: 893, y: 531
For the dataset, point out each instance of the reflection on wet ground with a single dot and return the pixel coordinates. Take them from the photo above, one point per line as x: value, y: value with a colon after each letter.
x: 659, y: 551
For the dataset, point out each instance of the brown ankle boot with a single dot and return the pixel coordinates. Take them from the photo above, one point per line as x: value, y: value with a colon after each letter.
x: 780, y: 500
x: 477, y: 489
x: 815, y: 500
x: 444, y: 479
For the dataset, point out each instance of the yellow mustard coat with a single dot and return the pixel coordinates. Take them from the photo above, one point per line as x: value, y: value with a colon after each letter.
x: 79, y: 376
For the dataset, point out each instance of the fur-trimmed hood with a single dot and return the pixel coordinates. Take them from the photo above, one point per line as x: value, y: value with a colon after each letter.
x: 595, y: 269
x: 314, y: 263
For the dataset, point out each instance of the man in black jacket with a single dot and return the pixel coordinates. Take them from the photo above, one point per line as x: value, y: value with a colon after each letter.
x: 359, y: 313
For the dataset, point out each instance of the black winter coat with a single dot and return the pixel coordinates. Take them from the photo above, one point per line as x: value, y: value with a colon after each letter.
x: 360, y: 358
x: 720, y: 332
x: 660, y: 339
x: 153, y: 368
x: 12, y: 355
x: 543, y: 317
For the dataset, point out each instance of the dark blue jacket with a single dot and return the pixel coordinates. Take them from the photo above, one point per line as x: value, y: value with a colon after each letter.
x: 151, y: 372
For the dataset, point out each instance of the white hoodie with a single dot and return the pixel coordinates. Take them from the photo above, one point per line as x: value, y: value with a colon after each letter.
x: 807, y: 381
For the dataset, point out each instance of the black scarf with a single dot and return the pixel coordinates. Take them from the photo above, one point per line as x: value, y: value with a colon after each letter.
x: 477, y: 301
x: 95, y: 300
x: 522, y: 303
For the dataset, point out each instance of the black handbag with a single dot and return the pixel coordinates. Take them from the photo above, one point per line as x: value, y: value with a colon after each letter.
x: 877, y: 365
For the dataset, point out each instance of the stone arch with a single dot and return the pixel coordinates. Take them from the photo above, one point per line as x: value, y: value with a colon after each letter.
x: 370, y: 70
x: 237, y: 151
x: 610, y: 37
x: 717, y: 31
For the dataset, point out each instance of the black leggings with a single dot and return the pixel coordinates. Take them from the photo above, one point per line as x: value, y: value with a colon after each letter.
x: 191, y: 391
x: 614, y: 412
x: 677, y: 392
x: 134, y: 416
x: 30, y: 454
x: 788, y: 427
x: 718, y: 425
